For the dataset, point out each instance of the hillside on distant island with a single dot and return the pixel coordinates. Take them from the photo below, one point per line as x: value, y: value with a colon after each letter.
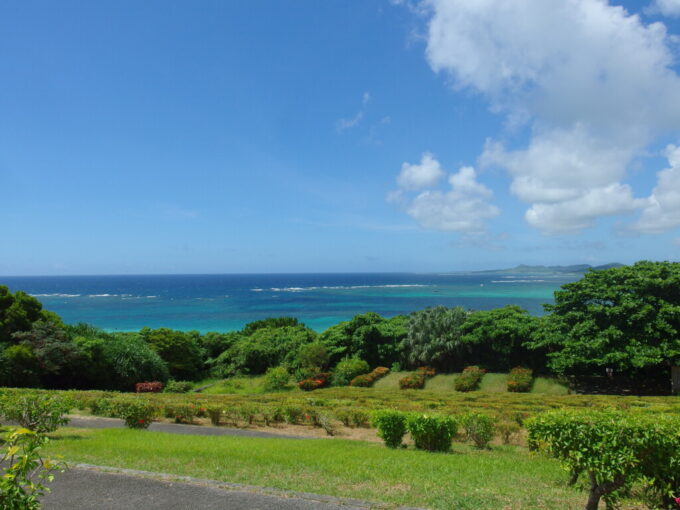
x: 524, y: 269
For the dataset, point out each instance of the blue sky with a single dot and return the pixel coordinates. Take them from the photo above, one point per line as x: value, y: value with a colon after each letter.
x: 337, y: 136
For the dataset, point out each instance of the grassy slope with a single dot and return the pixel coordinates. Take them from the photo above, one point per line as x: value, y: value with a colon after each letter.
x: 466, y: 479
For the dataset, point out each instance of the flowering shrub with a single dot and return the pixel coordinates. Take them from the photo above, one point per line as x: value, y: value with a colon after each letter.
x: 137, y: 413
x: 348, y: 369
x: 181, y: 413
x: 320, y: 380
x: 412, y: 382
x: 479, y: 428
x: 520, y: 380
x: 24, y: 471
x: 427, y: 371
x: 38, y: 412
x: 149, y: 387
x: 469, y: 379
x: 432, y: 433
x: 367, y: 380
x: 391, y: 427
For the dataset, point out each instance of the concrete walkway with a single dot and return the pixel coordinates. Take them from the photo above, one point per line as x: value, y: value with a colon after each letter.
x: 86, y: 487
x: 175, y: 428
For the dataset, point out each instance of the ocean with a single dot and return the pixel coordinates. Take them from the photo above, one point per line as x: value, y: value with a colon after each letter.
x: 227, y: 302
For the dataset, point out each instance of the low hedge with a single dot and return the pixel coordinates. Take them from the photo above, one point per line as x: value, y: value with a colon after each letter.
x: 469, y: 379
x: 520, y: 380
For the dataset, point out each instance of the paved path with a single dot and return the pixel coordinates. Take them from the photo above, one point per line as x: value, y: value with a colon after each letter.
x: 175, y: 428
x: 85, y: 487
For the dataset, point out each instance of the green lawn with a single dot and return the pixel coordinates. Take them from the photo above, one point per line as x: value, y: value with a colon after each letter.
x: 503, y: 478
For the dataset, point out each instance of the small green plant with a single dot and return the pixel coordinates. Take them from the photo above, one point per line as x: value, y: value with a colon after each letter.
x: 276, y: 378
x: 292, y: 414
x: 520, y: 380
x: 25, y: 472
x: 137, y: 413
x: 479, y: 428
x: 178, y: 387
x: 215, y: 413
x: 391, y: 427
x: 38, y: 412
x: 432, y: 433
x: 352, y: 417
x: 182, y: 413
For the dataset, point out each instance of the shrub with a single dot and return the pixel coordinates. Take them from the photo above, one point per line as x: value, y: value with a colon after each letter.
x: 215, y: 413
x: 391, y: 427
x: 25, y: 472
x: 615, y: 450
x: 352, y: 417
x: 412, y: 382
x: 469, y: 379
x: 38, y: 412
x: 364, y: 381
x: 291, y: 413
x: 479, y: 428
x: 432, y: 433
x: 149, y: 387
x: 347, y: 370
x: 178, y: 387
x: 276, y: 378
x: 507, y: 429
x: 137, y: 413
x: 314, y: 383
x: 181, y: 413
x: 426, y: 371
x: 520, y: 380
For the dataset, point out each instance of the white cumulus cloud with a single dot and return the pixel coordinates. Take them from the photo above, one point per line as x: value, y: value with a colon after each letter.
x: 425, y: 174
x: 670, y: 8
x: 465, y: 207
x: 663, y: 210
x: 593, y: 85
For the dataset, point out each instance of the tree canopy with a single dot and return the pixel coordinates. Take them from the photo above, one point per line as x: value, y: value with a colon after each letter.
x: 434, y: 337
x: 626, y: 318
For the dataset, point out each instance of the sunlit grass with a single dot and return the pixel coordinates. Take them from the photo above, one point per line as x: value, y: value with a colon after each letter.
x: 505, y: 477
x: 549, y: 386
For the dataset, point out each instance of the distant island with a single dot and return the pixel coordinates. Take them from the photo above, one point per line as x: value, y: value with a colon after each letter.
x: 525, y: 269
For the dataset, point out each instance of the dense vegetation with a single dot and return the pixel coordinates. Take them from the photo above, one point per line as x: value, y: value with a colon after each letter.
x: 626, y: 318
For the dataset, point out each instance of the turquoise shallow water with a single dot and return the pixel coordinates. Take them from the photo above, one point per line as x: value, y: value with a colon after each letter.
x: 227, y: 302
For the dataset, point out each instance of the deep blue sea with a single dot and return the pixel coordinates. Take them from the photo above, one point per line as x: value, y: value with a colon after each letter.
x: 227, y: 302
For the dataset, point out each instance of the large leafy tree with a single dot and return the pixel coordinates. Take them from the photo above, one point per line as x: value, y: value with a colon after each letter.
x: 496, y: 338
x: 626, y: 318
x: 434, y: 337
x: 18, y: 312
x: 368, y: 336
x: 181, y: 351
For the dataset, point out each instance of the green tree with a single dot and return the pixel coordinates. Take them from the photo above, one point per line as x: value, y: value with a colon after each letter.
x: 626, y: 318
x: 271, y: 322
x: 18, y: 312
x: 181, y: 351
x: 434, y: 337
x: 19, y: 367
x: 367, y: 336
x: 56, y: 355
x: 131, y: 360
x: 496, y: 338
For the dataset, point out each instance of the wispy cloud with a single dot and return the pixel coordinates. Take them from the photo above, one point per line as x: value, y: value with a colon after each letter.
x: 351, y: 122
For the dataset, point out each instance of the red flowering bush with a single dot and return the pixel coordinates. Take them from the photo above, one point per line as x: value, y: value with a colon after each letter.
x: 149, y: 387
x: 469, y: 379
x: 365, y: 381
x: 412, y: 382
x: 520, y: 380
x: 137, y: 413
x: 320, y: 380
x: 427, y: 371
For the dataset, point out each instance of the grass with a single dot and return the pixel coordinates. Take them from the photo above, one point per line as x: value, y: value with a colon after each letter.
x: 494, y: 383
x: 237, y: 386
x: 506, y: 477
x: 549, y: 386
x: 440, y: 382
